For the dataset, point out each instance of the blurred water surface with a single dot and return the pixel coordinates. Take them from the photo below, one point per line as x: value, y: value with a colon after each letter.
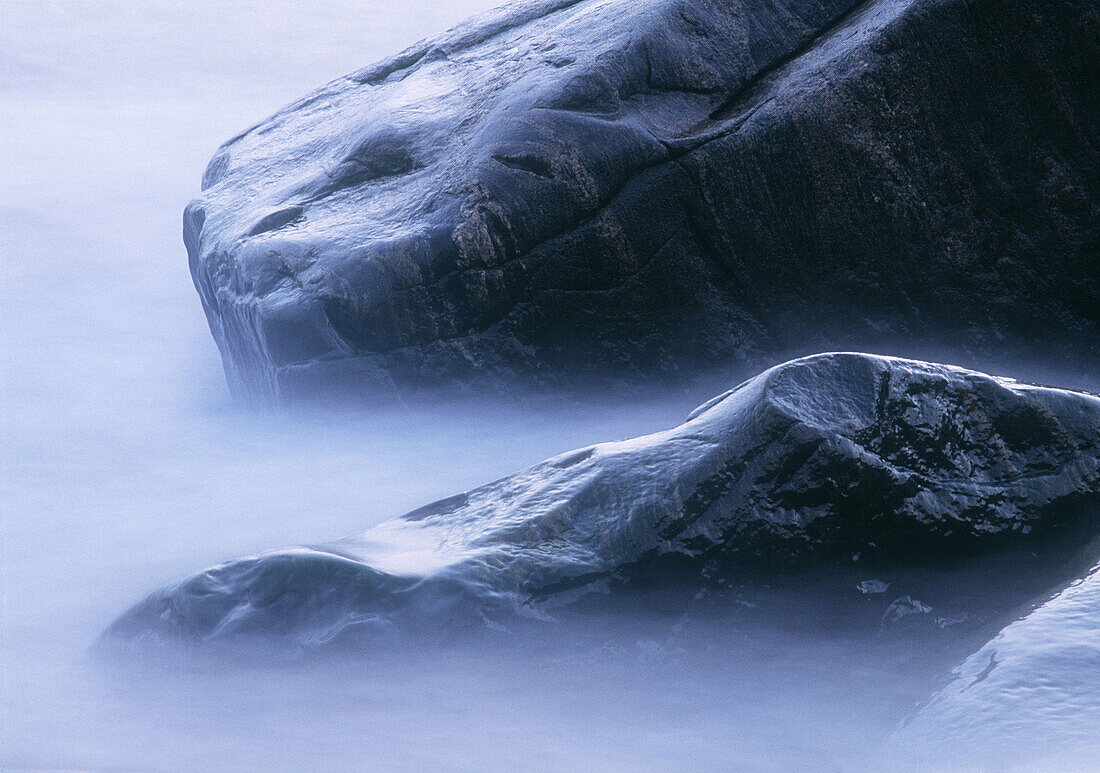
x: 125, y: 465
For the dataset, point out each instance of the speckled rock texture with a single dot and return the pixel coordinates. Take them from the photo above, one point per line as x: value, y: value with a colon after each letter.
x: 810, y: 461
x: 570, y: 189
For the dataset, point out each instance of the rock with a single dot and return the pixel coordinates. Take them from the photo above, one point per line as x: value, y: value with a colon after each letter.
x: 808, y: 461
x: 1030, y: 697
x: 951, y: 621
x: 572, y: 189
x: 870, y: 587
x: 903, y: 606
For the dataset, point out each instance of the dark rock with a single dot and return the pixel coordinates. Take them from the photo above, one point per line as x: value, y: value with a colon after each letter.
x: 903, y: 606
x: 808, y: 462
x: 567, y: 189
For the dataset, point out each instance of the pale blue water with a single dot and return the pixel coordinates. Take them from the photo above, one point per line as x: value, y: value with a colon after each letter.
x: 124, y: 463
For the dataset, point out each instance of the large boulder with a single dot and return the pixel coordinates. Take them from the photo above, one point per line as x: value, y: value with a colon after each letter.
x: 565, y: 189
x: 817, y: 459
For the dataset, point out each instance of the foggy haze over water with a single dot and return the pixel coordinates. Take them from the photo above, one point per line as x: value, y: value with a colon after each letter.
x: 125, y: 465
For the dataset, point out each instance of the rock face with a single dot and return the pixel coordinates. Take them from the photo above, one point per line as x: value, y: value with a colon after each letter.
x: 814, y: 459
x: 1029, y: 696
x: 568, y: 188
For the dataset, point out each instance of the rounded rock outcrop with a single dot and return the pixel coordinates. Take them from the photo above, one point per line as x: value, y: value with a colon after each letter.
x: 632, y: 189
x: 813, y: 460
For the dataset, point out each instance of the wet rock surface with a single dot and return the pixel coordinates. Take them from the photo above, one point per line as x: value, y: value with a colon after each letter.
x: 1027, y: 696
x: 571, y: 189
x: 836, y: 460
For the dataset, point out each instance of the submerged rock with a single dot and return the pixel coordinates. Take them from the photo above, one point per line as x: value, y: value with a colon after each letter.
x: 564, y: 189
x: 903, y: 606
x: 870, y: 587
x: 811, y: 460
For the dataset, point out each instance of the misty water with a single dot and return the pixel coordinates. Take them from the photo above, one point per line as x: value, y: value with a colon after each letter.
x: 126, y: 466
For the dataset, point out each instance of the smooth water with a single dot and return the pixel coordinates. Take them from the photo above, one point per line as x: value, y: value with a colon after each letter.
x: 125, y: 465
